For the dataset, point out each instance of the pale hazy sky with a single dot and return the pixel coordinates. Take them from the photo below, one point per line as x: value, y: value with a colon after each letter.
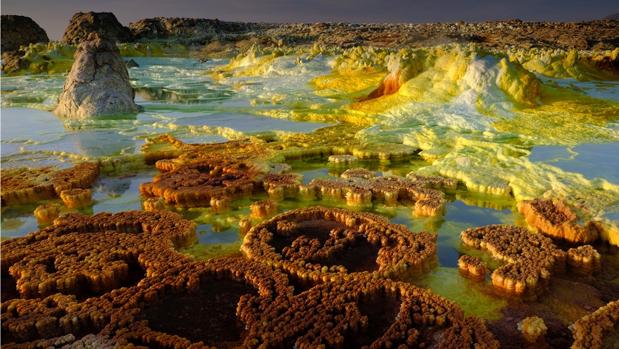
x: 54, y: 15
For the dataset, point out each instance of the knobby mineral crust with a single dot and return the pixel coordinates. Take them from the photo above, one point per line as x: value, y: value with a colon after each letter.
x: 199, y: 305
x: 321, y: 244
x: 530, y: 258
x: 584, y: 259
x: 472, y: 266
x: 589, y: 331
x: 94, y: 254
x: 69, y: 276
x: 556, y: 219
x: 23, y: 185
x: 367, y: 313
x: 360, y: 187
x: 532, y: 328
x: 197, y: 183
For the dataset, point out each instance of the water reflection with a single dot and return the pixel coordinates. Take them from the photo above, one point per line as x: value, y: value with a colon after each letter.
x: 591, y: 160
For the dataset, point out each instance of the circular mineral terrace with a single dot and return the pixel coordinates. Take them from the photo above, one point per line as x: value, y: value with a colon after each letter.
x: 320, y: 244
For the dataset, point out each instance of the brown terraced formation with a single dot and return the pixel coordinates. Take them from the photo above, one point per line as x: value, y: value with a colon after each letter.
x: 366, y: 313
x: 320, y: 244
x: 590, y: 331
x: 202, y: 183
x: 23, y: 185
x: 203, y: 175
x: 82, y: 255
x: 530, y: 258
x: 315, y: 277
x: 472, y: 266
x: 169, y: 311
x: 115, y: 279
x: 554, y: 218
x: 66, y: 278
x: 361, y: 187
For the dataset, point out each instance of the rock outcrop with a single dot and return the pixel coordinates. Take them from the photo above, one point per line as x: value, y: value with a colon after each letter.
x: 222, y: 36
x: 103, y: 23
x: 98, y: 83
x: 187, y: 30
x: 20, y: 31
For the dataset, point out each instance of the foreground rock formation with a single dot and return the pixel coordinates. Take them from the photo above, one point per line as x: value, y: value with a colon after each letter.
x: 530, y: 258
x: 590, y: 331
x: 98, y: 83
x: 116, y: 280
x: 105, y: 24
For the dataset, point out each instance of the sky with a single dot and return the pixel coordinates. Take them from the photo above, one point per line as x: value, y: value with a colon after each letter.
x: 54, y: 15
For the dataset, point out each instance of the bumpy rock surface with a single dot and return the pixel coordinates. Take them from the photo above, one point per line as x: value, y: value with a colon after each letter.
x: 169, y: 311
x: 103, y: 23
x: 98, y: 83
x: 472, y: 266
x: 532, y: 328
x: 360, y: 187
x: 20, y: 31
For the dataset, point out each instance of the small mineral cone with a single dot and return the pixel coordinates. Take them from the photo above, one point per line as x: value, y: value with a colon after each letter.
x: 584, y: 259
x: 76, y: 198
x: 472, y: 267
x: 264, y: 208
x: 532, y: 328
x: 153, y: 204
x: 46, y: 214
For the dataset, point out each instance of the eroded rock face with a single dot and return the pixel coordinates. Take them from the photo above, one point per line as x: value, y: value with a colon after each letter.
x: 20, y: 31
x: 103, y: 23
x: 190, y: 30
x: 98, y: 83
